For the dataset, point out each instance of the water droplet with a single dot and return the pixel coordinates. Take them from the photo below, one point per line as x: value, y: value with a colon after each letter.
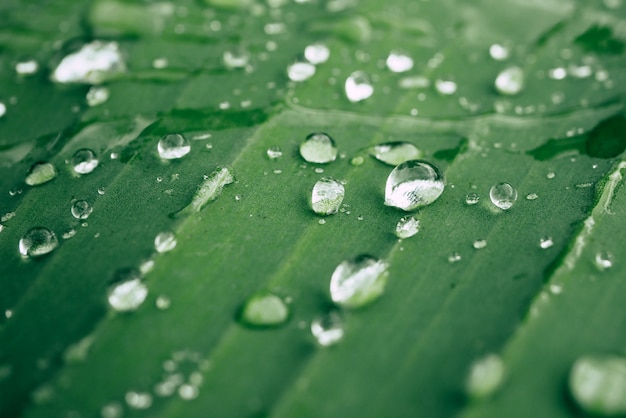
x: 604, y: 260
x: 394, y: 153
x: 163, y: 302
x: 164, y: 242
x: 532, y: 196
x: 69, y: 233
x: 472, y: 199
x: 173, y: 146
x: 414, y: 82
x: 556, y: 289
x: 317, y: 53
x: 503, y: 195
x: 300, y: 71
x: 479, y: 244
x: 264, y: 310
x: 112, y: 410
x: 236, y: 59
x: 94, y: 63
x: 357, y: 161
x: 358, y: 281
x: 274, y: 152
x: 598, y: 384
x: 3, y: 109
x: 551, y: 175
x: 97, y: 95
x: 510, y: 81
x: 81, y: 209
x: 445, y: 87
x: 413, y: 184
x: 138, y: 400
x: 485, y: 377
x: 454, y: 257
x: 546, y: 242
x: 40, y: 173
x: 84, y: 161
x: 407, y: 226
x: 557, y: 73
x: 327, y: 329
x: 318, y: 148
x: 499, y: 52
x: 327, y: 196
x: 188, y: 392
x: 399, y: 62
x: 37, y: 242
x: 26, y: 67
x: 129, y: 294
x: 358, y: 87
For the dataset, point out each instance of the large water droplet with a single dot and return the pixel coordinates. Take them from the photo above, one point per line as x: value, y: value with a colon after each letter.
x: 327, y: 196
x: 94, y: 63
x: 598, y: 384
x: 129, y: 294
x: 37, y: 242
x: 138, y: 400
x: 318, y: 148
x: 264, y: 310
x: 399, y: 62
x: 327, y: 329
x: 485, y: 377
x: 84, y: 161
x: 510, y: 81
x: 413, y: 184
x: 503, y: 195
x: 40, y: 173
x: 358, y: 87
x: 358, y: 281
x: 407, y: 226
x: 317, y: 53
x: 81, y: 209
x: 394, y: 153
x: 173, y: 146
x: 164, y: 242
x: 300, y: 71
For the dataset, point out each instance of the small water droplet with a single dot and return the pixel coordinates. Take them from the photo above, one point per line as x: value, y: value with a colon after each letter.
x: 551, y: 175
x: 358, y: 87
x: 318, y: 148
x: 503, y: 195
x: 160, y: 63
x: 598, y: 384
x: 557, y: 73
x: 414, y: 82
x: 300, y: 71
x: 472, y: 199
x: 26, y: 67
x: 358, y: 281
x: 445, y: 87
x: 479, y: 244
x: 454, y: 257
x: 328, y: 329
x: 84, y: 161
x: 277, y: 171
x: 173, y: 146
x: 188, y: 392
x: 485, y: 377
x: 317, y: 53
x: 163, y: 302
x: 394, y: 153
x: 532, y: 196
x: 40, y: 173
x: 236, y: 59
x: 327, y: 196
x: 399, y: 62
x: 264, y: 310
x: 274, y: 152
x: 112, y: 410
x: 138, y: 400
x: 97, y: 96
x: 164, y: 242
x: 499, y: 52
x: 129, y: 294
x: 81, y: 209
x: 3, y: 109
x: 510, y: 81
x: 69, y: 233
x: 357, y: 161
x: 556, y: 289
x: 604, y: 260
x: 37, y: 242
x: 407, y: 226
x: 546, y: 242
x: 413, y: 184
x: 94, y: 63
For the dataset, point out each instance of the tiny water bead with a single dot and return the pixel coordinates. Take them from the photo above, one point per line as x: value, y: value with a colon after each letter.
x: 532, y: 196
x: 300, y: 71
x: 399, y: 62
x: 173, y: 146
x: 485, y: 377
x: 598, y: 384
x: 358, y: 281
x: 84, y: 161
x: 358, y: 87
x: 236, y: 59
x: 328, y: 329
x: 37, y: 242
x: 26, y: 67
x: 97, y: 96
x: 510, y: 81
x: 454, y: 257
x: 472, y: 199
x: 138, y: 400
x: 413, y: 184
x: 264, y: 310
x: 445, y: 87
x: 112, y: 410
x: 603, y: 260
x: 40, y: 173
x: 479, y: 244
x: 163, y: 302
x: 406, y: 227
x: 394, y: 153
x: 317, y: 53
x: 164, y: 242
x: 274, y: 152
x: 94, y: 63
x: 81, y: 209
x: 327, y: 196
x: 318, y: 148
x: 499, y: 52
x: 503, y: 195
x: 546, y: 242
x: 129, y: 294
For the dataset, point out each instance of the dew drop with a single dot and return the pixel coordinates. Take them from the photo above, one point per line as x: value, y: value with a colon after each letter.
x: 485, y: 377
x: 318, y: 148
x: 129, y: 294
x: 407, y: 226
x: 445, y: 87
x: 532, y: 196
x: 69, y: 233
x: 510, y: 81
x: 499, y: 52
x: 454, y: 257
x: 173, y: 146
x: 479, y: 244
x: 328, y: 329
x: 327, y: 196
x: 598, y: 384
x: 188, y: 392
x: 394, y: 153
x: 84, y: 161
x: 557, y: 73
x: 274, y: 152
x: 399, y: 62
x: 358, y: 87
x: 503, y: 195
x: 236, y: 59
x: 264, y: 310
x: 357, y: 161
x: 358, y: 281
x: 317, y: 53
x: 37, y: 242
x: 546, y: 242
x: 413, y: 184
x: 40, y: 173
x: 604, y: 260
x: 26, y: 67
x: 111, y: 410
x: 472, y: 199
x: 138, y: 400
x: 3, y: 109
x: 300, y: 71
x: 94, y: 63
x: 81, y: 209
x: 164, y: 242
x: 163, y: 302
x: 97, y: 96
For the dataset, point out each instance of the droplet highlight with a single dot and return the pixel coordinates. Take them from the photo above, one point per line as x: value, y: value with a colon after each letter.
x: 358, y: 87
x: 359, y: 281
x: 173, y: 146
x: 503, y: 195
x: 129, y: 294
x: 264, y: 310
x: 485, y: 377
x: 84, y: 161
x: 394, y: 153
x: 94, y: 63
x: 399, y: 62
x: 300, y: 71
x: 37, y: 242
x: 318, y: 148
x: 413, y: 184
x: 328, y: 329
x: 406, y: 227
x: 510, y: 81
x: 317, y: 53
